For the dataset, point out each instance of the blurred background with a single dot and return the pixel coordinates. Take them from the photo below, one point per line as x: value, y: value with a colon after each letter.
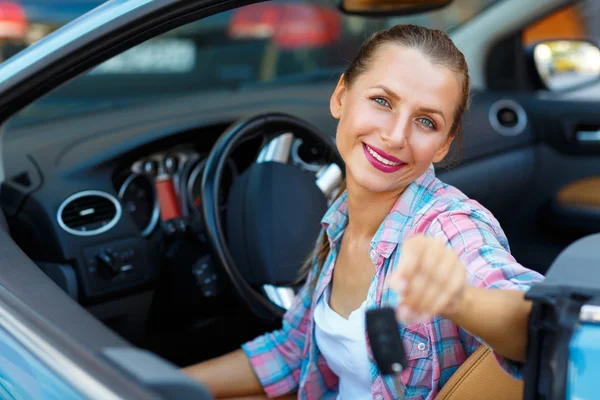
x: 251, y: 46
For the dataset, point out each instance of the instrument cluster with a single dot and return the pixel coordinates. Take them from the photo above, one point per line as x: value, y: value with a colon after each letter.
x: 166, y: 188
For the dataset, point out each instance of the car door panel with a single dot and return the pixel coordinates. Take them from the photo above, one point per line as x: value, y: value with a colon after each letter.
x: 577, y: 206
x: 584, y: 193
x: 496, y: 165
x: 482, y: 130
x: 567, y: 165
x: 567, y: 125
x: 540, y: 226
x: 485, y: 180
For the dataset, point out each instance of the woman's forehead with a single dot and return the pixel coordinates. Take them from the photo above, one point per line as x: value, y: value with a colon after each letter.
x: 411, y: 75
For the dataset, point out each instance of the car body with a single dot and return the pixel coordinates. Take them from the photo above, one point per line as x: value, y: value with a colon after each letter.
x: 87, y: 110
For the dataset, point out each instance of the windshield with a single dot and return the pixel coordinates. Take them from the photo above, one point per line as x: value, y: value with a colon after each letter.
x: 271, y: 43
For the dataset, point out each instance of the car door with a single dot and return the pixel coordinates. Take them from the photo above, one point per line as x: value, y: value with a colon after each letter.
x: 526, y: 155
x: 51, y: 347
x: 561, y: 205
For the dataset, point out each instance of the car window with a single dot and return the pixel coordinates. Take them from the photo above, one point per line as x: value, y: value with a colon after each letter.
x: 577, y: 21
x: 271, y: 43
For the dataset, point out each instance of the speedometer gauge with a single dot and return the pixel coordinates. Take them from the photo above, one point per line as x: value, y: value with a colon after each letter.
x: 194, y: 183
x: 138, y: 198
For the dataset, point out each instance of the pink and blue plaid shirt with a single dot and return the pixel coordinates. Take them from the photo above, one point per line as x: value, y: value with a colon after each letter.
x: 289, y: 360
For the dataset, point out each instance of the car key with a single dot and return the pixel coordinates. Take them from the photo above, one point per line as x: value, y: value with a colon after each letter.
x: 386, y: 344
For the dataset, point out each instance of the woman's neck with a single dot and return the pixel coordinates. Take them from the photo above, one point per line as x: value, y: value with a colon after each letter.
x: 367, y: 210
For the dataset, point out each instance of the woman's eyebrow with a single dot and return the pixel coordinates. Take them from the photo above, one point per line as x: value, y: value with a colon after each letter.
x: 389, y: 91
x: 433, y: 111
x: 393, y: 94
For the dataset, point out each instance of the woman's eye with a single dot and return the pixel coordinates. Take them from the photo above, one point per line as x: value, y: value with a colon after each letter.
x: 427, y: 122
x: 381, y: 101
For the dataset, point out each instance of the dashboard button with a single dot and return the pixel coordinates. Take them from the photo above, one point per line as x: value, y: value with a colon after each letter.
x: 109, y: 265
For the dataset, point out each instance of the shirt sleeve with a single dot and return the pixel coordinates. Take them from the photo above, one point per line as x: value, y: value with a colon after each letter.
x: 276, y: 357
x: 479, y: 241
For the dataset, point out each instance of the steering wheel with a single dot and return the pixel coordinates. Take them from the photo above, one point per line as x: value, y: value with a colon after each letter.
x: 273, y: 210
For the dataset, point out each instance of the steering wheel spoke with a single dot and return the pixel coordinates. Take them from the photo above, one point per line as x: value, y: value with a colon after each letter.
x: 281, y: 295
x: 277, y: 150
x: 329, y: 179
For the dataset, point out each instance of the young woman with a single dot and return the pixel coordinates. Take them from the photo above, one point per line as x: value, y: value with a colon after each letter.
x: 396, y: 236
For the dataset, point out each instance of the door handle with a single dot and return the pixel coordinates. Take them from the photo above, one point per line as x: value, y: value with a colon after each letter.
x: 588, y: 136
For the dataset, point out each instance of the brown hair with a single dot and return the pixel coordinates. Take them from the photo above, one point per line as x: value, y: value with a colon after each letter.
x: 439, y: 49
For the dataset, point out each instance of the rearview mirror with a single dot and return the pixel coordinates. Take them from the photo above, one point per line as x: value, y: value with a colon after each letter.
x: 565, y: 64
x: 390, y: 7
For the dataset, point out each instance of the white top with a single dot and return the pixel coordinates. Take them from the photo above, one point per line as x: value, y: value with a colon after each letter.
x: 343, y: 344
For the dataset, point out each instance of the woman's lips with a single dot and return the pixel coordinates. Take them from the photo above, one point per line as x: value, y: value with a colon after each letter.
x: 383, y: 154
x: 382, y: 161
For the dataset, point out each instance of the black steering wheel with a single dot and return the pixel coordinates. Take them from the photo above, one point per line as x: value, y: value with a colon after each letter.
x: 273, y: 210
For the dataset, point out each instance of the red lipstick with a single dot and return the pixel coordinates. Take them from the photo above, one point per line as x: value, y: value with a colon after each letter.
x: 378, y: 160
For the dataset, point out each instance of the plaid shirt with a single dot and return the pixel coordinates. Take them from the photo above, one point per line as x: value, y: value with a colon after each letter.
x: 289, y: 360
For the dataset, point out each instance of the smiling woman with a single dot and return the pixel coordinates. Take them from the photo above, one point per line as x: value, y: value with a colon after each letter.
x: 397, y: 237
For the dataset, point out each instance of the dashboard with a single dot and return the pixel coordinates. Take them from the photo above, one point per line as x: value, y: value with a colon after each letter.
x: 105, y: 205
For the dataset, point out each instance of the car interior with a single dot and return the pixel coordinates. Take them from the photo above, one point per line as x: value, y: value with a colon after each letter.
x: 175, y: 203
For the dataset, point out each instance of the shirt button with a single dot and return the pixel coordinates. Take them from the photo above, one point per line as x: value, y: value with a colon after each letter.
x: 373, y: 255
x: 378, y: 396
x: 421, y: 346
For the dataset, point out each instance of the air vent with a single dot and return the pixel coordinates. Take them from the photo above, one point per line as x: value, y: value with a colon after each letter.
x: 507, y: 117
x: 89, y: 213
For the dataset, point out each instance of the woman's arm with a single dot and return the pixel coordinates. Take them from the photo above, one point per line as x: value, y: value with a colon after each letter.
x: 498, y: 317
x: 431, y: 279
x: 227, y: 376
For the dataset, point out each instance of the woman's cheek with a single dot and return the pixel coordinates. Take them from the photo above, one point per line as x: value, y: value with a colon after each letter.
x: 422, y: 150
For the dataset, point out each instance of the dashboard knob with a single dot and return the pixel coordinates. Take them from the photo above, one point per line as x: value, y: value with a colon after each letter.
x: 109, y: 265
x: 151, y: 168
x: 171, y: 164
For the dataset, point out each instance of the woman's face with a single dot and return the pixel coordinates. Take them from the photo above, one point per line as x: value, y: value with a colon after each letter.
x: 394, y: 120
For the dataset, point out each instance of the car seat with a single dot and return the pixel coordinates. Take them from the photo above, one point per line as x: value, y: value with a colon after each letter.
x: 481, y: 377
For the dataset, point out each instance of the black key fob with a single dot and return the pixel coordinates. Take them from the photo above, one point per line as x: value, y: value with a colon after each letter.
x: 386, y: 343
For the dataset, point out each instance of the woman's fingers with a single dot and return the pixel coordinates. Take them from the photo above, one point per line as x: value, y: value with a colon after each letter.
x: 411, y: 256
x: 429, y: 279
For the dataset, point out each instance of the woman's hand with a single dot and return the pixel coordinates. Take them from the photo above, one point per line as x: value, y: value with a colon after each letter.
x: 430, y: 280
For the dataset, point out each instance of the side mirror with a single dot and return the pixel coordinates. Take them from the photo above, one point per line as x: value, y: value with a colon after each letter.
x: 564, y: 64
x: 390, y: 7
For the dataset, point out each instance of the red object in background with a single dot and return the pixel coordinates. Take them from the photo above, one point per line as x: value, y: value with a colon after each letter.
x: 167, y: 198
x: 13, y: 21
x: 290, y: 26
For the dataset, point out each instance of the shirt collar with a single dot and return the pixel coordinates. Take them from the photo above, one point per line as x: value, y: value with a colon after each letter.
x: 390, y: 231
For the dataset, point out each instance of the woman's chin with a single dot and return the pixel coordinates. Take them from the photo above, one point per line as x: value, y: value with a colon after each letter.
x: 376, y: 184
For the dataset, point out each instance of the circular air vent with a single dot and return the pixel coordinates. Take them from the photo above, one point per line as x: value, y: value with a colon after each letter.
x: 89, y: 213
x: 508, y: 117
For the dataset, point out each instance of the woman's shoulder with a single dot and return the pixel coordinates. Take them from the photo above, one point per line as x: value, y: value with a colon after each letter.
x: 446, y: 201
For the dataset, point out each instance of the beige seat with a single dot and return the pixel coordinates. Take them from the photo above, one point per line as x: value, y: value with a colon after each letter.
x: 479, y: 378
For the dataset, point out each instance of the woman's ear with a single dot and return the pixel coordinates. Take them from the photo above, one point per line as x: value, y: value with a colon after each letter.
x: 335, y: 103
x: 443, y: 151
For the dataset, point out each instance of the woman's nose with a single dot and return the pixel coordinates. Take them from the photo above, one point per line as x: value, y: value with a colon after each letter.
x: 398, y: 134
